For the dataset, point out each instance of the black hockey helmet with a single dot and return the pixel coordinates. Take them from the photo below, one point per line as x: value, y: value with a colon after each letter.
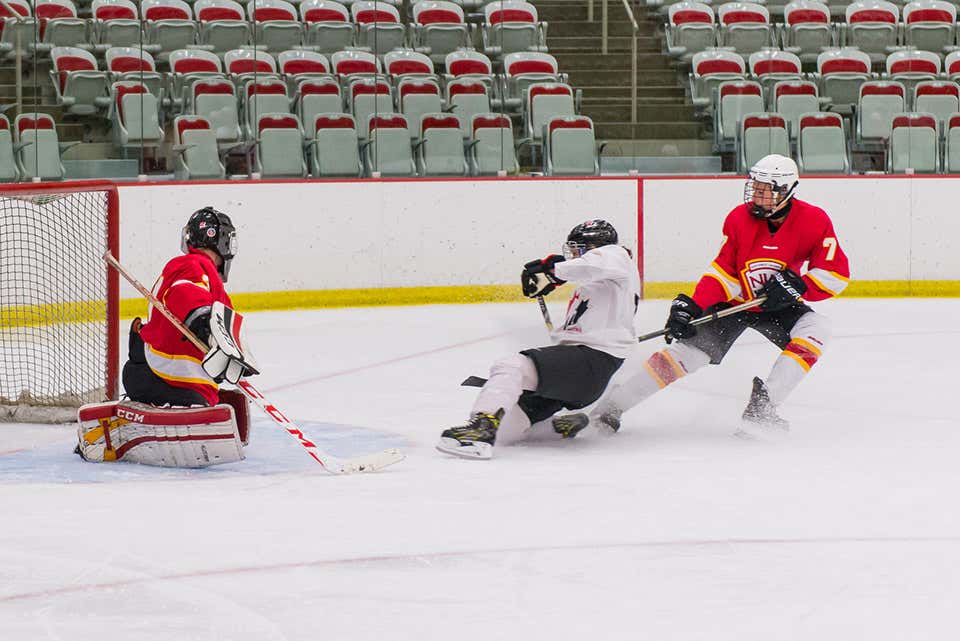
x: 590, y: 234
x: 208, y: 228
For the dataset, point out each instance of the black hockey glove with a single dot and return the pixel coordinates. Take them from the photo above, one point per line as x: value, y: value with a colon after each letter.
x: 683, y: 310
x: 530, y: 282
x: 782, y: 290
x: 198, y: 322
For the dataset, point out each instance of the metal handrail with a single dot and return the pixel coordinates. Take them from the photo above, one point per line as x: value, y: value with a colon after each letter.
x: 633, y: 52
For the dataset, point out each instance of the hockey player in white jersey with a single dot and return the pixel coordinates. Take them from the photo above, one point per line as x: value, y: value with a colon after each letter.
x: 595, y: 338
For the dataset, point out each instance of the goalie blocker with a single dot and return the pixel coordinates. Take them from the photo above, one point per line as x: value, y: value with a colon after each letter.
x: 165, y: 437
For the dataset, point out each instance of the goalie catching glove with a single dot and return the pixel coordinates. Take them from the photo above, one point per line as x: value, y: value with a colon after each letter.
x: 530, y: 281
x: 221, y: 328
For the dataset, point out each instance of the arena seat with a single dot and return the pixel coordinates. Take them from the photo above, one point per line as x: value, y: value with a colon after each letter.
x: 880, y: 100
x: 792, y: 99
x: 195, y: 144
x: 216, y: 100
x: 930, y: 25
x: 690, y: 29
x: 388, y: 149
x: 770, y: 66
x: 278, y: 152
x: 438, y: 28
x: 275, y: 24
x: 545, y: 101
x: 822, y: 144
x: 80, y: 87
x: 367, y: 97
x: 491, y: 145
x: 417, y: 97
x: 37, y: 147
x: 511, y: 26
x: 378, y: 26
x: 221, y: 25
x: 912, y: 66
x: 745, y: 26
x: 570, y: 147
x: 440, y: 149
x: 407, y: 62
x: 711, y: 68
x: 951, y: 152
x: 168, y: 25
x: 760, y: 135
x: 735, y: 99
x: 523, y: 69
x: 467, y: 97
x: 116, y: 24
x: 840, y: 72
x: 128, y: 63
x: 328, y: 26
x: 134, y: 115
x: 807, y: 29
x: 263, y: 96
x: 872, y: 27
x: 940, y: 98
x: 914, y: 144
x: 315, y: 97
x: 60, y: 26
x: 8, y: 165
x: 335, y: 150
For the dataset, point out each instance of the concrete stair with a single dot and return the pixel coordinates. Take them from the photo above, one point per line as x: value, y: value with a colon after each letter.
x: 666, y: 125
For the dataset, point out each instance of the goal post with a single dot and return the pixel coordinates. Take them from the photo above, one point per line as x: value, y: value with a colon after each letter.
x: 59, y: 301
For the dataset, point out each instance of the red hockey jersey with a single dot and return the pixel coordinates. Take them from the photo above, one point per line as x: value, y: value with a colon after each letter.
x: 187, y: 282
x: 750, y: 254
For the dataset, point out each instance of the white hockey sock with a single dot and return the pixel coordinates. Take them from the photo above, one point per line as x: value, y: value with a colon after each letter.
x: 509, y: 376
x: 661, y: 369
x: 808, y: 338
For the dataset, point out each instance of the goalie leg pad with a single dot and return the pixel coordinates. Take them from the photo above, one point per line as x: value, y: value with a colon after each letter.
x: 139, y: 433
x: 241, y: 410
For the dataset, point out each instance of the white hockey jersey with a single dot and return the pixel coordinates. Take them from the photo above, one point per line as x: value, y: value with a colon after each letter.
x: 600, y: 313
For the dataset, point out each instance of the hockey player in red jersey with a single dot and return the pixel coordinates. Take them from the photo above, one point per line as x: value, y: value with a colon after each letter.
x: 176, y: 414
x: 164, y: 368
x: 530, y: 386
x: 767, y: 240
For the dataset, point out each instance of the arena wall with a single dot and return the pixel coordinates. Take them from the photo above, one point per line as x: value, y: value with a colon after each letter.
x: 336, y: 243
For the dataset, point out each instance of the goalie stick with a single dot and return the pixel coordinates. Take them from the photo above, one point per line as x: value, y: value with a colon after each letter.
x: 479, y: 381
x: 333, y: 465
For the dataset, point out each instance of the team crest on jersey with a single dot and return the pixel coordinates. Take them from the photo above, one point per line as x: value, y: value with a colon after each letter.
x: 758, y: 271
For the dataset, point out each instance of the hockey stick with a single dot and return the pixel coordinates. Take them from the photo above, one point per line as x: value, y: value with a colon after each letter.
x: 730, y: 311
x: 545, y: 312
x: 367, y: 463
x: 479, y: 381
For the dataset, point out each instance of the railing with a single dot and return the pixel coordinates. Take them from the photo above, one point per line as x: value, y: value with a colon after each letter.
x: 633, y: 47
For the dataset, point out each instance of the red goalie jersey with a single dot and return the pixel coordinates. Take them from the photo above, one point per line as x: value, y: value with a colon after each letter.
x: 751, y: 254
x: 187, y: 282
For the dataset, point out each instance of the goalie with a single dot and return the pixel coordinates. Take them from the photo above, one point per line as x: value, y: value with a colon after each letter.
x: 176, y: 414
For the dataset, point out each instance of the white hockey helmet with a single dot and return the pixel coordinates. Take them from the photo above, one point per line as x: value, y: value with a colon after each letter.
x: 782, y: 175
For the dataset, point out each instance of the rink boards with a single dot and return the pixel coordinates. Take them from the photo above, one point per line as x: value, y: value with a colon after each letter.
x: 342, y: 243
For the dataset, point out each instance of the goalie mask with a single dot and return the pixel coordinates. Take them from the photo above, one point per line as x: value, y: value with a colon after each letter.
x: 771, y: 184
x: 208, y: 228
x: 588, y: 235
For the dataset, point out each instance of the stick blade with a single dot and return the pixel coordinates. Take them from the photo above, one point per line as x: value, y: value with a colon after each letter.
x: 473, y: 381
x: 368, y: 463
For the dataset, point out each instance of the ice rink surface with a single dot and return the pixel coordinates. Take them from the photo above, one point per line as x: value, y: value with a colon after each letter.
x: 671, y: 530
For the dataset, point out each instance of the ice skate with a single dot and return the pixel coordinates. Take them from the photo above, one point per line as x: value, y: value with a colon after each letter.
x: 760, y: 419
x: 475, y: 439
x: 570, y: 425
x: 608, y: 423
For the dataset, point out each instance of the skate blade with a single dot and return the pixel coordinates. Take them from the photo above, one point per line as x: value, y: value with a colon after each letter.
x: 477, y: 451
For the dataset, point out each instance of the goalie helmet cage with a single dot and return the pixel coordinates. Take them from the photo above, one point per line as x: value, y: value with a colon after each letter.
x: 59, y: 301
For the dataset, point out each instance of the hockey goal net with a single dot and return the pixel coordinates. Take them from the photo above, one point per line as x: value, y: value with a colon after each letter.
x: 58, y: 301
